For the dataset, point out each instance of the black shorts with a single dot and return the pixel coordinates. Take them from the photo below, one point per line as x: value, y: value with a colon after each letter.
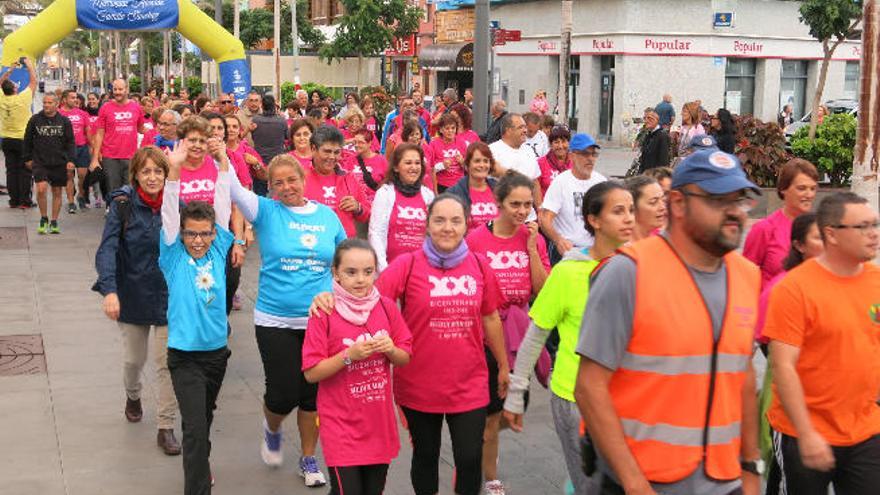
x: 286, y: 385
x: 55, y: 176
x: 496, y: 404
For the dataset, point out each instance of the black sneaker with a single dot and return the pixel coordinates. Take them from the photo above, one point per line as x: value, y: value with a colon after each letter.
x: 83, y: 202
x: 71, y: 208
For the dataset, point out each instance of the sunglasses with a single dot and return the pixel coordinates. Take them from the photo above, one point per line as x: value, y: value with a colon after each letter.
x: 225, y: 102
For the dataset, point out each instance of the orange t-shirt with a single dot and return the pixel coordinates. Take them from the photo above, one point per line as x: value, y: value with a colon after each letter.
x: 835, y: 321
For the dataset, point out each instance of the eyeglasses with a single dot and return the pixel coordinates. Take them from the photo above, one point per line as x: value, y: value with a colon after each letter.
x: 864, y: 228
x: 744, y: 203
x: 192, y: 234
x: 225, y: 102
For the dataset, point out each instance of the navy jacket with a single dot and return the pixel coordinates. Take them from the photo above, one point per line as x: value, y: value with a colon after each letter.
x: 129, y: 264
x: 463, y: 190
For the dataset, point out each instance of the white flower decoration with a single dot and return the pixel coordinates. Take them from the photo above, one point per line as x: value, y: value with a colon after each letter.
x: 309, y: 240
x: 204, y: 281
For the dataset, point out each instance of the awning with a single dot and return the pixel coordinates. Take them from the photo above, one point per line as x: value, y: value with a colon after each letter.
x: 448, y: 57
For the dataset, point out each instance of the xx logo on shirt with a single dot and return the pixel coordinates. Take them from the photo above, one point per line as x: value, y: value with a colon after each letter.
x: 196, y: 186
x: 410, y: 213
x: 503, y: 260
x: 122, y: 115
x: 483, y: 209
x: 452, y: 286
x: 329, y: 191
x: 451, y: 153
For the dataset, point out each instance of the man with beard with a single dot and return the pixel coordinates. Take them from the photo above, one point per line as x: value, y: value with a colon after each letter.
x: 666, y: 385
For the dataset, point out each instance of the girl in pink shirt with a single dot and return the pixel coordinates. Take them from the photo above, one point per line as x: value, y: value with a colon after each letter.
x: 447, y: 154
x: 350, y: 352
x: 768, y: 242
x: 517, y: 255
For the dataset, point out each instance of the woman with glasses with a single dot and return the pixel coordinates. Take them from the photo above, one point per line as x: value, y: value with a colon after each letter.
x: 768, y: 242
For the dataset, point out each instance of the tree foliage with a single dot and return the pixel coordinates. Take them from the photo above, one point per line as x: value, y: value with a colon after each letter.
x: 368, y: 27
x: 256, y: 25
x: 832, y: 149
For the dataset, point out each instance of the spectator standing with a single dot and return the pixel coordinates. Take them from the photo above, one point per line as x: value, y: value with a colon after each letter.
x: 665, y: 111
x: 723, y: 129
x: 786, y: 116
x: 655, y: 144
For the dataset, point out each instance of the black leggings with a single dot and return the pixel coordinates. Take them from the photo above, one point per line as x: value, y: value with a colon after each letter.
x: 358, y: 480
x: 466, y: 430
x: 856, y: 468
x: 286, y: 386
x: 233, y: 279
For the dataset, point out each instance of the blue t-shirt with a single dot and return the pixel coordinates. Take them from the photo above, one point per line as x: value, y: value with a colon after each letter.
x: 297, y: 253
x: 196, y: 293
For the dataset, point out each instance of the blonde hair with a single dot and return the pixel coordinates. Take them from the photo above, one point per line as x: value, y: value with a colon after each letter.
x: 286, y: 160
x: 354, y: 112
x: 139, y: 161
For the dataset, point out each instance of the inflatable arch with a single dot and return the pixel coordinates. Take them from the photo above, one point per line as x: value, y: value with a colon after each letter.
x: 62, y: 17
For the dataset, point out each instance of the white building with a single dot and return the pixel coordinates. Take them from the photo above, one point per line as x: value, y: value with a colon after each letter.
x: 627, y: 53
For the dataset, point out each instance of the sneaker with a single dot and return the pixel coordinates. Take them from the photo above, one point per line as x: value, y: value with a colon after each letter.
x: 494, y: 487
x: 270, y: 448
x: 236, y: 302
x: 312, y: 475
x: 71, y: 208
x: 82, y: 202
x: 44, y: 226
x: 53, y: 227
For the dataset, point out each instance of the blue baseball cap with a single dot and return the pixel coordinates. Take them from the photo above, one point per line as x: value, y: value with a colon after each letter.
x: 703, y: 141
x: 713, y: 171
x: 581, y: 141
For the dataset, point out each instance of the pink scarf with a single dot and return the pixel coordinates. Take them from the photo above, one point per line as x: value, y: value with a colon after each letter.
x: 351, y: 308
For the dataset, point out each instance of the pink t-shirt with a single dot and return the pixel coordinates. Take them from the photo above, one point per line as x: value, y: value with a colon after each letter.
x: 80, y: 121
x: 356, y: 405
x: 549, y: 172
x: 467, y: 137
x: 306, y: 162
x: 93, y: 125
x: 374, y: 143
x: 428, y: 179
x: 509, y: 259
x: 444, y: 310
x: 242, y: 171
x: 329, y: 189
x: 198, y: 184
x: 454, y: 152
x: 376, y: 165
x: 763, y: 304
x: 768, y: 244
x: 483, y: 208
x: 406, y: 227
x: 120, y: 124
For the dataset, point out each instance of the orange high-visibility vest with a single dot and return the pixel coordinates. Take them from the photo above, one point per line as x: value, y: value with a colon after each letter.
x: 677, y: 391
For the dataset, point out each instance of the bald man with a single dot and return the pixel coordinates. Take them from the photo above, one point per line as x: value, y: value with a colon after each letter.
x: 119, y: 122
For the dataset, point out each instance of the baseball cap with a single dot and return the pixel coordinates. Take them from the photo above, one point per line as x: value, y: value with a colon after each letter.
x: 714, y: 171
x: 581, y: 141
x: 703, y: 141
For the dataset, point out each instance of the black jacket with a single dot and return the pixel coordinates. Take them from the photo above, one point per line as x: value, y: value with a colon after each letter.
x: 493, y: 133
x: 128, y: 263
x: 48, y: 141
x: 462, y: 189
x: 655, y: 150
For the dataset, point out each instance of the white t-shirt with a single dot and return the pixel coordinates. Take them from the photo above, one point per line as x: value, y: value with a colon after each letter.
x: 522, y: 160
x: 565, y: 198
x: 538, y: 144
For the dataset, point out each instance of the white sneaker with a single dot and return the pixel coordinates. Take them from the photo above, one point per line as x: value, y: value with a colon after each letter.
x: 270, y: 447
x: 312, y: 475
x: 494, y: 487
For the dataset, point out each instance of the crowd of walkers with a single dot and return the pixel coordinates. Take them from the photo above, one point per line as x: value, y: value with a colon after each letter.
x: 413, y: 274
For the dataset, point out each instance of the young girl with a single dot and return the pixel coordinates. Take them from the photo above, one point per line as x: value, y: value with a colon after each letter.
x: 192, y: 256
x: 351, y: 352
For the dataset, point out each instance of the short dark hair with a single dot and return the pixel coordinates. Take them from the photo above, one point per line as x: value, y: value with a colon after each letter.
x: 510, y: 181
x: 198, y: 211
x: 297, y: 124
x: 327, y: 134
x: 408, y: 129
x: 790, y: 170
x: 447, y: 119
x: 8, y: 87
x: 800, y: 228
x: 351, y: 244
x: 209, y: 116
x: 268, y: 105
x: 532, y: 118
x: 464, y: 115
x: 507, y: 121
x: 833, y: 207
x: 444, y: 196
x: 559, y: 132
x: 594, y: 201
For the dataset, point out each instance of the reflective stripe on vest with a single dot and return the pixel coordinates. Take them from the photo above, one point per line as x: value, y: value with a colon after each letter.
x: 678, y: 391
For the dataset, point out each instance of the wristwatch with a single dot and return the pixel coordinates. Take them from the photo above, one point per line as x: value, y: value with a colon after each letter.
x: 345, y: 359
x: 755, y: 467
x: 240, y: 242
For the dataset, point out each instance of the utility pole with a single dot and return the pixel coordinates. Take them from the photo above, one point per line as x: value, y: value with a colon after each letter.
x: 294, y: 37
x: 166, y: 60
x: 481, y: 66
x: 865, y: 163
x: 564, y: 56
x: 236, y: 18
x: 276, y: 51
x: 218, y: 17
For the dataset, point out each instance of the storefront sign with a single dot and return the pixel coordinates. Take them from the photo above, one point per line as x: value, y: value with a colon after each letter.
x: 548, y: 46
x: 454, y: 26
x: 723, y: 19
x: 127, y: 15
x: 465, y: 59
x: 402, y: 47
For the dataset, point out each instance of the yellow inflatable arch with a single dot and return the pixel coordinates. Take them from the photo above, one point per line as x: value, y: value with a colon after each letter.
x: 63, y: 17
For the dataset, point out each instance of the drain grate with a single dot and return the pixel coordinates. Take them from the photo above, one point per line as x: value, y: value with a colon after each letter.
x: 13, y: 238
x: 22, y: 355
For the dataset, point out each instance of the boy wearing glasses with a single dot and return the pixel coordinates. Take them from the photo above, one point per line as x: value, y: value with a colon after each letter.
x: 824, y: 324
x: 192, y: 255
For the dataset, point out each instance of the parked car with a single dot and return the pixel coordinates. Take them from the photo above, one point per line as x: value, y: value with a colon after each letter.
x: 834, y: 106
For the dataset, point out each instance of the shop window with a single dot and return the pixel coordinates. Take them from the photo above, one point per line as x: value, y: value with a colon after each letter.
x: 851, y: 81
x: 793, y: 86
x: 739, y: 85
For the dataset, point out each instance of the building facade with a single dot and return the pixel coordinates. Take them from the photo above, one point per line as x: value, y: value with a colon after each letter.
x: 749, y: 56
